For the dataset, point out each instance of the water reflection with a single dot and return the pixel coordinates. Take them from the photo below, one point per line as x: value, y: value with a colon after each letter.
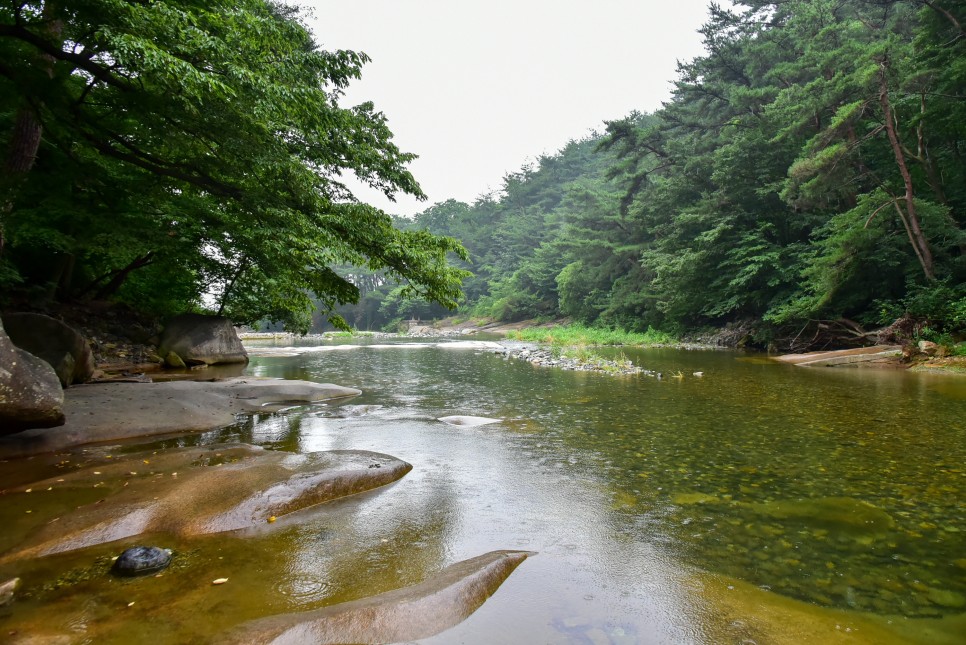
x: 704, y: 466
x: 841, y: 488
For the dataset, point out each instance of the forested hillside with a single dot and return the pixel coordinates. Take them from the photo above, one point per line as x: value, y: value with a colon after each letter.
x: 809, y: 167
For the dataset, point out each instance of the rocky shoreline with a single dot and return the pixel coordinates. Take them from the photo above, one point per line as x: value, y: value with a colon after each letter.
x: 180, y: 495
x: 544, y: 357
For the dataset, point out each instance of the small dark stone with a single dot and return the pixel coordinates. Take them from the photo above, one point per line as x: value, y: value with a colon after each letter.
x: 141, y: 560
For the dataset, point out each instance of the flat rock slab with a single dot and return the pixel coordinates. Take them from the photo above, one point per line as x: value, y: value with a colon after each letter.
x: 406, y: 614
x: 192, y: 491
x: 468, y: 422
x: 843, y: 356
x: 110, y: 411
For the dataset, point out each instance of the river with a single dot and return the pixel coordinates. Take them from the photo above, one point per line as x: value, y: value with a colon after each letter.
x: 842, y: 488
x: 756, y: 503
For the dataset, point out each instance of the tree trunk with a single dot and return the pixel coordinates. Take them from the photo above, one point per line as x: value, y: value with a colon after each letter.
x: 25, y: 141
x: 27, y: 129
x: 916, y: 236
x: 231, y: 284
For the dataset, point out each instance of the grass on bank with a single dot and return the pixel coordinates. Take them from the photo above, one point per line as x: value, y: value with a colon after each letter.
x: 581, y: 335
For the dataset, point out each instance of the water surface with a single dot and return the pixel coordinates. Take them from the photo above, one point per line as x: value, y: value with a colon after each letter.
x: 842, y: 487
x: 839, y: 490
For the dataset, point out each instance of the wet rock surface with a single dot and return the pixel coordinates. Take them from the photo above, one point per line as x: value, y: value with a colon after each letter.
x: 141, y: 560
x: 8, y: 591
x: 406, y: 614
x: 179, y: 496
x: 192, y: 491
x: 467, y: 421
x: 110, y: 411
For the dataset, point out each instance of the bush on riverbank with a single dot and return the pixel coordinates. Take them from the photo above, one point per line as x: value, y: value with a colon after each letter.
x: 582, y: 335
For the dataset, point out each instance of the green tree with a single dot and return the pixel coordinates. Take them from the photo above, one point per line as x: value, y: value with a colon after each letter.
x: 206, y: 141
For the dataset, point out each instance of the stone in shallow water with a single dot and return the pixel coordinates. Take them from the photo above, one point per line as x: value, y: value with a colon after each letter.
x: 687, y: 499
x: 946, y: 598
x: 7, y: 591
x: 469, y: 422
x: 350, y: 411
x: 141, y: 560
x: 844, y: 515
x: 406, y: 614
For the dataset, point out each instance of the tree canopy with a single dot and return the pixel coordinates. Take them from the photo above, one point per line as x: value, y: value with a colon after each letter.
x: 809, y: 166
x: 169, y: 152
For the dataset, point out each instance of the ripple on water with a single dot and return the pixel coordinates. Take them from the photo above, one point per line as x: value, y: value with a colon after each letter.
x: 840, y: 488
x: 304, y: 588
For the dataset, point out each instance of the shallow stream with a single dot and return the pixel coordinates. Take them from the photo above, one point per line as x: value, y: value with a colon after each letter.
x: 840, y: 488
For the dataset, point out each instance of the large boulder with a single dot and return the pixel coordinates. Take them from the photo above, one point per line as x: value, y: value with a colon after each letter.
x: 196, y: 339
x: 30, y: 393
x: 57, y: 343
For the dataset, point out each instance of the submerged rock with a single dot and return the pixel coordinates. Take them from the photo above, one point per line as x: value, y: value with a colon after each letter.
x: 351, y: 411
x: 734, y: 611
x: 194, y: 491
x: 687, y: 499
x: 468, y: 421
x: 141, y: 560
x: 842, y: 514
x: 406, y: 614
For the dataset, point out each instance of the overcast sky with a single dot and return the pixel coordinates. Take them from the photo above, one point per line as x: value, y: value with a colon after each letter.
x: 478, y: 88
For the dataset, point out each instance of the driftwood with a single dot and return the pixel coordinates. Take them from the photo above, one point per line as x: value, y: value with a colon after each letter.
x: 842, y: 333
x: 833, y: 334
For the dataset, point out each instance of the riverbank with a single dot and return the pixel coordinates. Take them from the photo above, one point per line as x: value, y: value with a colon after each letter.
x: 562, y: 336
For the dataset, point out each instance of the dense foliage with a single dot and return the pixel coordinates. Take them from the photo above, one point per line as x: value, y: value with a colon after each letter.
x: 809, y: 166
x: 175, y: 154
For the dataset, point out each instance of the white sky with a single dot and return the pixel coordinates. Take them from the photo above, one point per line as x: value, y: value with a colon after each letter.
x: 478, y: 88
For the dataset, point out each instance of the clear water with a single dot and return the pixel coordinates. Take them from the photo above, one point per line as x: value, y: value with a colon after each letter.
x: 840, y: 488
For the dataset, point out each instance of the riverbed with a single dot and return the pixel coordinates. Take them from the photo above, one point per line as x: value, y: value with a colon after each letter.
x: 733, y: 500
x: 841, y: 488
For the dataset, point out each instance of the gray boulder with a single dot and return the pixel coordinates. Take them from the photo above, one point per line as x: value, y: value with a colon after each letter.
x: 57, y: 343
x: 30, y: 393
x: 197, y: 339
